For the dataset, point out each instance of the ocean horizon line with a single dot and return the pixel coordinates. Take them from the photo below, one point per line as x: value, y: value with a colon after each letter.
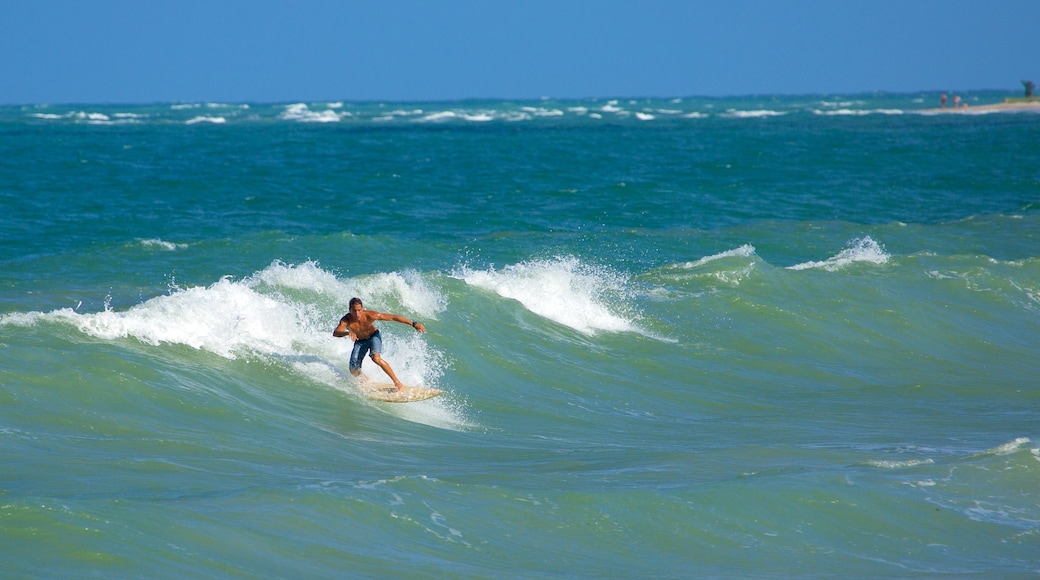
x: 395, y: 101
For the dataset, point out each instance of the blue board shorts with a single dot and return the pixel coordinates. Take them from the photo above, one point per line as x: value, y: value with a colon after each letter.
x: 373, y: 343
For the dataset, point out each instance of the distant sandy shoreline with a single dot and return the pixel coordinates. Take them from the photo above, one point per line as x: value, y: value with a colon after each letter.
x: 1031, y: 107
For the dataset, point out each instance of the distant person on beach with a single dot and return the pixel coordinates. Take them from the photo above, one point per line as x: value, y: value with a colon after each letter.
x: 956, y: 101
x: 942, y: 99
x: 359, y: 325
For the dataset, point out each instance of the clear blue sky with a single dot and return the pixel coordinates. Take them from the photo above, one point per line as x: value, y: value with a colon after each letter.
x: 132, y: 51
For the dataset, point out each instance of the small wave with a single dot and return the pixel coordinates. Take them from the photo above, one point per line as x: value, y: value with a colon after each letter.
x: 300, y: 112
x: 477, y: 117
x: 542, y: 112
x: 206, y: 119
x: 161, y: 244
x: 841, y: 104
x: 442, y: 116
x: 99, y: 117
x: 735, y: 114
x: 858, y: 112
x: 863, y: 249
x: 888, y: 464
x: 1009, y: 447
x: 94, y: 118
x: 745, y: 251
x: 731, y: 267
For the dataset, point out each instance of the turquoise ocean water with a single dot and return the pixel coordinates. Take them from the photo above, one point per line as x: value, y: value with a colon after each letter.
x: 760, y: 336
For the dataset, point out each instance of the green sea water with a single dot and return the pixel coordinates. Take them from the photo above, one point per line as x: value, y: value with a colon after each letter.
x: 744, y: 337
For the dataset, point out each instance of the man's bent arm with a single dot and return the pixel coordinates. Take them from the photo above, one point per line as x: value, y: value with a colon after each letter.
x: 398, y: 318
x: 342, y: 329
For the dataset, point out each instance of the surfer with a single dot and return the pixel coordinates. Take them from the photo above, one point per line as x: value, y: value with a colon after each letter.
x: 358, y: 325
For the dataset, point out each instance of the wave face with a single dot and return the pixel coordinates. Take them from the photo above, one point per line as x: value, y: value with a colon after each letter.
x: 668, y: 340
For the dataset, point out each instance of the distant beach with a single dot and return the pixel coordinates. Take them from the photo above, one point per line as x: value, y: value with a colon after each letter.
x: 1005, y: 107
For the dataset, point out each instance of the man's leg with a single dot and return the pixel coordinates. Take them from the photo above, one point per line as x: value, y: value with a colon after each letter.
x: 357, y: 356
x: 386, y: 368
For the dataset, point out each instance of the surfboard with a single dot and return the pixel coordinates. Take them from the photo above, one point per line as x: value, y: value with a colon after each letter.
x: 386, y: 393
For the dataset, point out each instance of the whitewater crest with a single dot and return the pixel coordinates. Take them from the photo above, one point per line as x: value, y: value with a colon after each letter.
x: 745, y: 251
x: 563, y: 289
x: 860, y: 250
x: 275, y: 312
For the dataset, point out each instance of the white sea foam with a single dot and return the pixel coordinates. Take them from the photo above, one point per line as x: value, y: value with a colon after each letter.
x: 206, y: 119
x: 302, y: 113
x: 94, y: 118
x: 858, y: 112
x: 475, y: 117
x: 440, y: 116
x: 1009, y: 447
x: 157, y: 243
x: 563, y: 289
x: 483, y: 117
x: 745, y: 251
x: 542, y: 112
x: 863, y: 249
x: 753, y: 114
x: 841, y: 104
x: 90, y: 118
x: 889, y: 464
x: 405, y: 288
x: 404, y: 113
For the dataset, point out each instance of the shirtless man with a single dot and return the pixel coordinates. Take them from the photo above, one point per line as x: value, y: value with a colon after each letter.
x: 358, y: 325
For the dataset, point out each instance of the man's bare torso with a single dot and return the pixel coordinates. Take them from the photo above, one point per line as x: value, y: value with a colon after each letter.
x: 361, y: 324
